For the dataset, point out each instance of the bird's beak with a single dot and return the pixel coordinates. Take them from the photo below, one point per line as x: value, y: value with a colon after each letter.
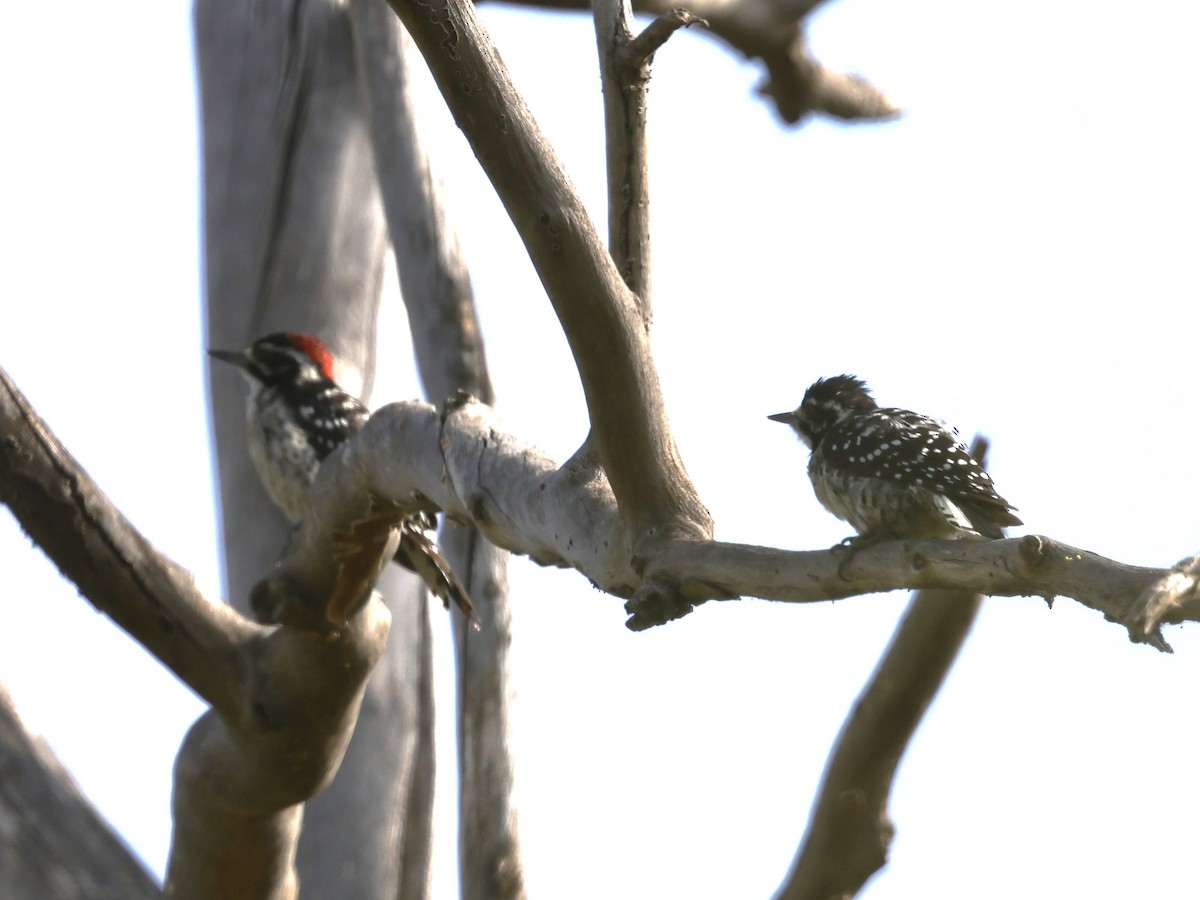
x: 233, y: 357
x: 787, y: 418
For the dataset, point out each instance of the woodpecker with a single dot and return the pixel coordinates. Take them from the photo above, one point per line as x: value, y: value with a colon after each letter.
x: 892, y: 473
x: 296, y: 415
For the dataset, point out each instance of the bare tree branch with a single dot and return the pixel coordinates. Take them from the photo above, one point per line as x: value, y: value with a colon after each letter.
x: 434, y: 280
x: 849, y: 832
x: 292, y: 697
x: 657, y: 33
x: 599, y: 314
x: 773, y: 31
x: 240, y: 784
x: 111, y: 563
x: 624, y: 75
x: 284, y: 700
x: 382, y: 805
x: 489, y: 849
x: 55, y: 846
x: 465, y: 464
x: 1029, y: 566
x: 1166, y: 600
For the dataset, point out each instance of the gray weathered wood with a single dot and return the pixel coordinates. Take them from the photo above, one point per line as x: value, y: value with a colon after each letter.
x: 450, y: 358
x: 295, y: 240
x: 55, y: 846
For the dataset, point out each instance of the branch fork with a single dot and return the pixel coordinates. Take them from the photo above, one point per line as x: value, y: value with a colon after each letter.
x: 634, y: 51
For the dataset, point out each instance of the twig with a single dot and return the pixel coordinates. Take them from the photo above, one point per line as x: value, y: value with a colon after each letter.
x: 624, y: 75
x: 623, y: 81
x: 656, y: 34
x: 773, y: 31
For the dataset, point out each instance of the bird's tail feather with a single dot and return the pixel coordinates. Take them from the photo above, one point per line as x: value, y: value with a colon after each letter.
x: 419, y: 554
x: 988, y: 518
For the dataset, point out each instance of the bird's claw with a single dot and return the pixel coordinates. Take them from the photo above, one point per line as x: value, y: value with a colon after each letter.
x: 849, y: 547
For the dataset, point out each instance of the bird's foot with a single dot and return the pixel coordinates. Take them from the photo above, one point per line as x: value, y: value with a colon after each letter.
x: 852, y: 546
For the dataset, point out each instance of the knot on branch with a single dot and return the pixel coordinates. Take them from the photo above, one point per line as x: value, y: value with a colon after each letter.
x: 656, y: 602
x: 279, y: 600
x: 1033, y: 550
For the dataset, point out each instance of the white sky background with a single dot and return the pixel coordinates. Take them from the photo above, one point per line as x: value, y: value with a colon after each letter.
x: 1016, y: 255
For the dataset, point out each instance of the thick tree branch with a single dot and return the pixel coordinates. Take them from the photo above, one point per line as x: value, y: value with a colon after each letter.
x: 284, y: 700
x: 240, y: 785
x: 773, y: 31
x: 462, y: 462
x: 113, y: 565
x: 599, y: 314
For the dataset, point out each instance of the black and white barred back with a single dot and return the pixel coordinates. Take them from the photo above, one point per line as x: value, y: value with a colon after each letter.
x: 892, y: 472
x: 297, y: 415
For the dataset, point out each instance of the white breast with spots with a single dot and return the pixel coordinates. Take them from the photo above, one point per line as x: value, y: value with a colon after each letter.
x: 282, y: 455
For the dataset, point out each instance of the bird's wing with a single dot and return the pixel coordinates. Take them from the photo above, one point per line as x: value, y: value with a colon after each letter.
x: 904, y: 447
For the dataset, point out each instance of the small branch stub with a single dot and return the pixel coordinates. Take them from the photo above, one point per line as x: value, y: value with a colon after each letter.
x: 641, y: 48
x: 656, y: 602
x: 1164, y: 599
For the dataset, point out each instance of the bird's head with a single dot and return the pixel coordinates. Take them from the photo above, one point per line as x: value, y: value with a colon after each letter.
x: 289, y: 357
x: 825, y: 403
